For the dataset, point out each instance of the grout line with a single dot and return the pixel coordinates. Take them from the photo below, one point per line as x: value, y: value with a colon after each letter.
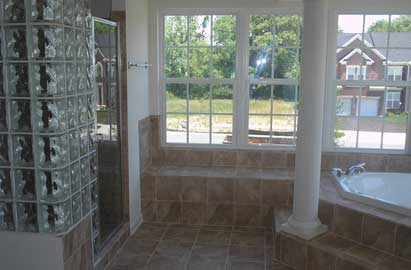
x: 228, y: 250
x: 155, y: 249
x: 192, y: 248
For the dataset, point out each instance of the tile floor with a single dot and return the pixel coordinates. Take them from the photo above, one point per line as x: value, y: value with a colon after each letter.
x: 176, y: 247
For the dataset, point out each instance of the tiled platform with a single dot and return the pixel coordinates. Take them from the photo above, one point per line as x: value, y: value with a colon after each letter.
x: 174, y: 247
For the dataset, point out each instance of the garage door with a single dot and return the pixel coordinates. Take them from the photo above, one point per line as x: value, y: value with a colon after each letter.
x: 369, y: 106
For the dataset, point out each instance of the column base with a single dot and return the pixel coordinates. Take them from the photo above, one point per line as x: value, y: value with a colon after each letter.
x: 304, y: 230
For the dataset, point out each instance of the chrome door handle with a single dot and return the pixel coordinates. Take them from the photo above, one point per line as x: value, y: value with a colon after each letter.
x: 132, y: 65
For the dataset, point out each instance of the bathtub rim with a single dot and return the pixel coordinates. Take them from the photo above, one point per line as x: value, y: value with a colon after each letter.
x: 346, y: 193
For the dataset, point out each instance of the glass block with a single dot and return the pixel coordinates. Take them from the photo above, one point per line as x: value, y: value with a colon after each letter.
x: 85, y: 171
x: 84, y: 141
x: 74, y: 143
x: 5, y: 184
x: 75, y: 177
x: 79, y: 12
x: 48, y: 80
x: 76, y: 207
x: 93, y: 165
x: 82, y: 109
x: 87, y: 14
x: 92, y: 137
x: 70, y: 43
x: 89, y: 46
x: 4, y: 150
x: 47, y: 42
x: 90, y: 77
x: 1, y: 56
x: 72, y: 117
x: 54, y: 185
x: 86, y: 200
x: 20, y: 115
x: 6, y: 217
x: 68, y: 12
x: 91, y: 107
x: 25, y: 184
x: 23, y: 150
x: 14, y: 11
x: 52, y: 151
x: 81, y: 44
x: 50, y: 115
x: 56, y: 218
x: 94, y: 195
x: 18, y: 80
x: 47, y: 10
x: 71, y: 78
x: 3, y: 114
x: 81, y: 78
x: 16, y: 43
x: 27, y: 217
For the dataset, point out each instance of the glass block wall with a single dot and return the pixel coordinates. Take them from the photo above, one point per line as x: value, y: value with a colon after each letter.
x: 48, y: 163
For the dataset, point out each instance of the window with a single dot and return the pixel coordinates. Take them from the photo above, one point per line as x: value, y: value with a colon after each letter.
x: 393, y: 101
x: 274, y: 72
x: 200, y: 72
x: 206, y: 81
x: 371, y: 98
x: 395, y: 73
x: 355, y: 73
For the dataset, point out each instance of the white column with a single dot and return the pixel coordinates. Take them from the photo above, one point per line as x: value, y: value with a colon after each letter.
x: 304, y: 221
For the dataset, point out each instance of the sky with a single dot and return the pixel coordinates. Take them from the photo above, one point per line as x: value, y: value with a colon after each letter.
x: 354, y: 23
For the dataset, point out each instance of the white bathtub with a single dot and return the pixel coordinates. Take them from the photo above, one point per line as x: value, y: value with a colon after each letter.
x: 389, y: 191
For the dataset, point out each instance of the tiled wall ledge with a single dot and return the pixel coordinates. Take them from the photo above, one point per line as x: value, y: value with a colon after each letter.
x: 153, y: 153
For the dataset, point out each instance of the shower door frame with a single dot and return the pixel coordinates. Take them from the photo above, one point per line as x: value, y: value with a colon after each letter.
x: 124, y: 216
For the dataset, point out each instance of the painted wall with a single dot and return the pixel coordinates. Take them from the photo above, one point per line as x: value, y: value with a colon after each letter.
x: 138, y: 96
x: 22, y: 251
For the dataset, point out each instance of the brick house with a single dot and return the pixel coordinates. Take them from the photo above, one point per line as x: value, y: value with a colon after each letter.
x: 371, y: 63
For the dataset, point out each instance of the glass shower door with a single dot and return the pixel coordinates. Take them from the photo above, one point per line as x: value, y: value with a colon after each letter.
x: 110, y: 189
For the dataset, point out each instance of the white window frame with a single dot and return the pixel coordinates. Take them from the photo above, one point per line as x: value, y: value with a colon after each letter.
x: 393, y: 70
x: 362, y: 73
x: 331, y: 93
x: 390, y: 98
x: 241, y: 82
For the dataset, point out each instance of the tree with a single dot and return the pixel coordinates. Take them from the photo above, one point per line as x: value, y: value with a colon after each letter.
x: 400, y: 24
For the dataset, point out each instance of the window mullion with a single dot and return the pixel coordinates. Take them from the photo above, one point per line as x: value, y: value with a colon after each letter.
x: 240, y: 125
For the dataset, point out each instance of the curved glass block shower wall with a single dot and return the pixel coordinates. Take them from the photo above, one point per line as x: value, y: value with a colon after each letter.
x: 48, y: 162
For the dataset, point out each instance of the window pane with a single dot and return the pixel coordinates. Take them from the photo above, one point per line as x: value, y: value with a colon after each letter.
x: 200, y: 30
x: 395, y: 131
x: 199, y: 98
x: 400, y: 71
x: 224, y: 63
x: 200, y: 63
x: 347, y: 100
x: 287, y: 30
x: 176, y: 30
x: 260, y: 63
x: 259, y: 129
x: 261, y: 30
x: 176, y: 63
x: 283, y: 130
x: 371, y: 102
x: 286, y: 64
x: 224, y: 30
x: 222, y: 129
x: 199, y: 129
x: 260, y: 99
x: 176, y: 128
x: 345, y: 134
x: 396, y: 118
x: 370, y: 131
x: 284, y: 99
x: 176, y: 95
x: 400, y: 27
x: 350, y: 29
x: 222, y: 101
